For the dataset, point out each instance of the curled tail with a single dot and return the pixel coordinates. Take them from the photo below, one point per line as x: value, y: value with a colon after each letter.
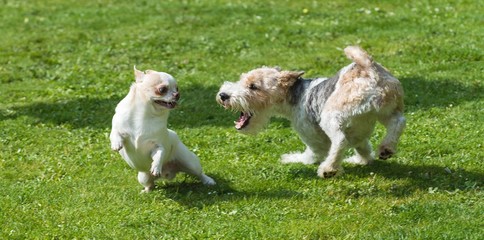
x: 359, y: 56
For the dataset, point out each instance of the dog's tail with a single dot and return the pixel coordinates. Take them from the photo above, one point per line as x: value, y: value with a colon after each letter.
x: 359, y: 56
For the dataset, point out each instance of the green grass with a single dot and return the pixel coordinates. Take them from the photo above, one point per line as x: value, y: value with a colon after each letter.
x: 64, y: 65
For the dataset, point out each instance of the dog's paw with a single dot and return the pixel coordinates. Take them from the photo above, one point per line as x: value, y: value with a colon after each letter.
x: 385, y: 153
x: 156, y: 170
x: 117, y: 145
x: 206, y: 180
x: 147, y: 189
x: 329, y: 172
x: 297, y: 158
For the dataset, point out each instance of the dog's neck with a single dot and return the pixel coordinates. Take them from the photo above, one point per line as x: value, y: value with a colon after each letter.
x: 297, y: 91
x: 295, y: 96
x: 306, y: 98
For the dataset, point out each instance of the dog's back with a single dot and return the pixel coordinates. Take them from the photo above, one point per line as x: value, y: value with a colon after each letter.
x: 366, y: 84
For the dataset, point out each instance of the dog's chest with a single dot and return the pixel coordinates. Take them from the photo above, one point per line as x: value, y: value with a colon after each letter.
x: 143, y: 135
x: 149, y: 134
x: 140, y: 146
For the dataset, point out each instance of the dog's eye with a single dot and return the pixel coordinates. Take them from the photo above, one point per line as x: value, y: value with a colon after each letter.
x: 162, y: 90
x: 252, y: 86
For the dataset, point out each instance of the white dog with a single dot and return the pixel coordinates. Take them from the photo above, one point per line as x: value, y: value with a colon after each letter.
x: 329, y: 114
x: 141, y: 136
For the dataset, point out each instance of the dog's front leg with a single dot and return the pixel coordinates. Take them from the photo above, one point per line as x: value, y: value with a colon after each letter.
x: 116, y: 140
x: 157, y: 155
x: 307, y: 157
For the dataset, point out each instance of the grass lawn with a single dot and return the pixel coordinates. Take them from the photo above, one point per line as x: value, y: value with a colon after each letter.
x: 64, y: 65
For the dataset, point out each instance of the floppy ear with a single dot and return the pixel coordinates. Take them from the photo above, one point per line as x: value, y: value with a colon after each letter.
x: 288, y: 78
x: 138, y: 75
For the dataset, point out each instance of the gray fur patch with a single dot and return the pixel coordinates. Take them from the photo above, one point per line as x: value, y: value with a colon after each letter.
x: 297, y: 90
x: 318, y: 96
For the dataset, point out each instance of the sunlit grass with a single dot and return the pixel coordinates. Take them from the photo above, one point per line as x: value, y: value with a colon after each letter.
x: 64, y: 65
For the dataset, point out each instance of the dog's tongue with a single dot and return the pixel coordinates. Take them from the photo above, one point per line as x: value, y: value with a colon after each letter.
x: 242, y: 121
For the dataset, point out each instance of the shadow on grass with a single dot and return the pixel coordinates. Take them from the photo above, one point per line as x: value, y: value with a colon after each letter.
x: 426, y: 177
x: 198, y: 107
x: 194, y: 194
x: 421, y: 93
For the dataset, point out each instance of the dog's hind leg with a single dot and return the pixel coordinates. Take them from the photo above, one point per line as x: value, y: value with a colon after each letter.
x: 358, y: 136
x: 147, y: 180
x: 331, y: 167
x: 394, y: 125
x: 190, y: 163
x: 363, y: 155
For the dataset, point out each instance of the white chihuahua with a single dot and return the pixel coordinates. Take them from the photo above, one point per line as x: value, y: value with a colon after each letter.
x: 141, y: 136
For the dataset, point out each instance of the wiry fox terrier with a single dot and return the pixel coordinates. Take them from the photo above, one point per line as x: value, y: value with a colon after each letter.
x: 330, y: 114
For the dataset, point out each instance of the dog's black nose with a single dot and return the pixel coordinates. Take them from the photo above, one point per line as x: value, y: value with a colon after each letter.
x: 224, y: 96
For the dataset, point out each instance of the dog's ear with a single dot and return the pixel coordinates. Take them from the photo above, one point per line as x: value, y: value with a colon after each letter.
x: 288, y: 78
x: 138, y: 75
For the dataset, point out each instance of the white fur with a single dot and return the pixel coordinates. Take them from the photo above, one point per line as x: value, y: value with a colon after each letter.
x: 140, y: 133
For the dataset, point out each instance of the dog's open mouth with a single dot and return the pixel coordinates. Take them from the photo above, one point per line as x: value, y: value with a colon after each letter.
x: 168, y: 105
x: 243, y: 120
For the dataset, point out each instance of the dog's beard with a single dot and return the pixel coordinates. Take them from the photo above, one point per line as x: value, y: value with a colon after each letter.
x: 238, y: 106
x: 251, y: 122
x: 257, y: 123
x: 245, y: 115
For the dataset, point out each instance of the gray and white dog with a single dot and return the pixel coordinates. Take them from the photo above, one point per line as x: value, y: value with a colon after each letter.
x: 329, y: 114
